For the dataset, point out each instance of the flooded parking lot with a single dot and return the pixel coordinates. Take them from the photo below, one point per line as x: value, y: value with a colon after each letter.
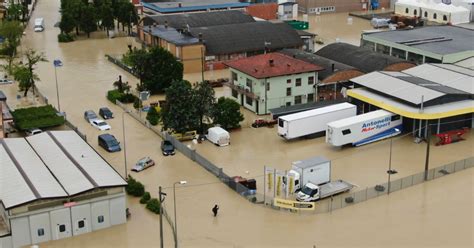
x: 437, y: 213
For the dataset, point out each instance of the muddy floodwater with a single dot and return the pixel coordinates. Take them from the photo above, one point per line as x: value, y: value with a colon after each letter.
x: 434, y: 214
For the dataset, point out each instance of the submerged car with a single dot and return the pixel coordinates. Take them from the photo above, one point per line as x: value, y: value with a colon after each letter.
x: 106, y: 113
x: 167, y: 148
x: 90, y: 115
x: 109, y: 142
x: 33, y: 131
x: 143, y: 163
x: 100, y: 124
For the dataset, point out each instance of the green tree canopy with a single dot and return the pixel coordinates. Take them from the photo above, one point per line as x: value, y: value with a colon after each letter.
x: 162, y: 69
x: 203, y: 99
x: 106, y: 14
x: 25, y: 78
x: 12, y: 32
x: 178, y: 113
x: 227, y: 113
x: 67, y: 23
x: 88, y: 19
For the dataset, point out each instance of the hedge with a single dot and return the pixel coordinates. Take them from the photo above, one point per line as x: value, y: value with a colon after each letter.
x: 65, y: 38
x: 113, y: 95
x: 37, y: 117
x: 145, y: 198
x: 153, y: 205
x: 134, y: 187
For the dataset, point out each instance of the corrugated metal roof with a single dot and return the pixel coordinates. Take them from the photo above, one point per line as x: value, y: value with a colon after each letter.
x: 50, y: 165
x: 39, y: 175
x: 204, y: 19
x: 467, y: 63
x: 13, y: 188
x: 94, y: 165
x: 453, y: 77
x: 66, y: 172
x: 389, y: 84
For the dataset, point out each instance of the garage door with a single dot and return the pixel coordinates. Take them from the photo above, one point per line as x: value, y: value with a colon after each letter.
x: 81, y: 219
x: 100, y: 215
x: 39, y: 228
x: 60, y: 223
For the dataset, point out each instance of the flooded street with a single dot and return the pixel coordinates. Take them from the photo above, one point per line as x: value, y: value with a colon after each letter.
x: 434, y: 214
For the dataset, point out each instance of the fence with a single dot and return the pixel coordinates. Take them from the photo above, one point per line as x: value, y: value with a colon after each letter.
x: 121, y: 65
x: 350, y: 199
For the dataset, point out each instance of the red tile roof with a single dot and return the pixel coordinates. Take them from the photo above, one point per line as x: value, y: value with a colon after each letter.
x: 260, y: 66
x: 267, y: 11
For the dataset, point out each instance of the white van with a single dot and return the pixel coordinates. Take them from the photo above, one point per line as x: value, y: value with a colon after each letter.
x: 218, y: 136
x: 39, y: 24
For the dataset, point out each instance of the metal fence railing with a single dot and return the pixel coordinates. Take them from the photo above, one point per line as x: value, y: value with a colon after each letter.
x: 120, y: 64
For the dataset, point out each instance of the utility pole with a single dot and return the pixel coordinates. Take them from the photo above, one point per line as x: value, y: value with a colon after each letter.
x: 161, y: 200
x: 428, y: 141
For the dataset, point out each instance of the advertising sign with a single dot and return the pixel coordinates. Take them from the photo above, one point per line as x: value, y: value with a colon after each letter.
x: 294, y: 205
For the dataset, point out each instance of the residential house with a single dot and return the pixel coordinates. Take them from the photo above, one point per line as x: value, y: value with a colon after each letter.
x: 272, y: 80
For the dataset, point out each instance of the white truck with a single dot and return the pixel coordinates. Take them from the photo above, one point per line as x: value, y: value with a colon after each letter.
x: 311, y: 178
x: 363, y: 129
x: 39, y: 25
x: 313, y: 122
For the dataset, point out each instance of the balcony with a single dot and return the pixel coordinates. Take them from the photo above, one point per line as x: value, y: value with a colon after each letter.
x: 242, y: 90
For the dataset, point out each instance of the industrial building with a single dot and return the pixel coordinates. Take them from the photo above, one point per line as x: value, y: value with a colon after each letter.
x: 155, y: 7
x: 204, y: 41
x: 430, y: 44
x: 328, y: 6
x: 53, y: 185
x: 438, y: 94
x: 453, y: 12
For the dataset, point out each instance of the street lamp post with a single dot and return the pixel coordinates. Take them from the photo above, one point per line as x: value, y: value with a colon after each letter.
x: 124, y: 143
x: 57, y: 63
x: 390, y: 171
x: 176, y: 223
x: 161, y: 198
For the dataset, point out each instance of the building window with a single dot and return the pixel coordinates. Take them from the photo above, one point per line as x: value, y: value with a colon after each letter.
x: 281, y: 122
x: 346, y: 131
x: 415, y: 12
x: 249, y: 84
x: 426, y: 14
x: 395, y: 117
x: 81, y: 224
x: 234, y: 77
x: 435, y: 16
x: 235, y: 93
x: 288, y: 81
x: 249, y: 100
x: 406, y: 10
x: 445, y: 18
x: 311, y: 80
x: 100, y: 219
x: 297, y: 99
x: 311, y: 97
x: 268, y: 86
x: 62, y: 228
x: 288, y: 91
x: 288, y: 103
x: 298, y: 82
x: 41, y: 232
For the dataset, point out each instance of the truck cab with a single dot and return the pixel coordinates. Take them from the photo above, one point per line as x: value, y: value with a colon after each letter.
x: 309, y: 192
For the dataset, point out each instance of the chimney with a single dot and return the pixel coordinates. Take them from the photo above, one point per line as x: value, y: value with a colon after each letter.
x: 166, y: 24
x: 332, y: 67
x: 154, y: 24
x: 200, y: 37
x: 271, y: 62
x: 180, y: 5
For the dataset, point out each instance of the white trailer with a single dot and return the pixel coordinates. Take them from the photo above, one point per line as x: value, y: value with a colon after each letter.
x: 363, y: 129
x: 313, y: 121
x: 312, y: 178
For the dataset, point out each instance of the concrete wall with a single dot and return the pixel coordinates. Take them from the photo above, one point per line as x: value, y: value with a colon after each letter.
x: 59, y: 222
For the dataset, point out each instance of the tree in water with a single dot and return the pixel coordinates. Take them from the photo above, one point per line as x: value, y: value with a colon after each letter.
x: 24, y: 73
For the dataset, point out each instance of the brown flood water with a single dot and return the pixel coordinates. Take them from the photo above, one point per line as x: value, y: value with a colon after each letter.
x: 435, y: 214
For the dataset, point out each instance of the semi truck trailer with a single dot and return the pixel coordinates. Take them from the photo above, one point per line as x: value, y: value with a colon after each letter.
x: 313, y: 122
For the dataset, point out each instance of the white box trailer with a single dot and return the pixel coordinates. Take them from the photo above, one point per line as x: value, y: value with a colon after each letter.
x: 363, y: 129
x: 313, y: 121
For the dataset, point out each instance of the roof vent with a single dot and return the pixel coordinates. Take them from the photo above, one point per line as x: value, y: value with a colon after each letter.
x: 271, y: 62
x: 289, y: 65
x: 166, y: 24
x: 154, y: 24
x: 180, y: 5
x: 256, y: 70
x: 200, y: 37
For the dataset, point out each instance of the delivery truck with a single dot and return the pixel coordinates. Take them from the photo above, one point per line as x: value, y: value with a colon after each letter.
x: 363, y: 129
x: 311, y: 178
x: 39, y: 25
x: 313, y: 122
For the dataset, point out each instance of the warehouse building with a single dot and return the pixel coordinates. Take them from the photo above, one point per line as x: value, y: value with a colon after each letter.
x: 430, y: 44
x: 438, y: 94
x: 54, y: 185
x: 328, y: 6
x: 155, y: 7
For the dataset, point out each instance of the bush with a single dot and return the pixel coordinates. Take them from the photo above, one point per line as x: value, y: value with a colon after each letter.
x: 128, y: 98
x: 153, y: 116
x: 37, y: 117
x: 134, y: 187
x: 114, y: 95
x: 137, y: 103
x: 153, y: 205
x: 145, y: 198
x: 65, y: 38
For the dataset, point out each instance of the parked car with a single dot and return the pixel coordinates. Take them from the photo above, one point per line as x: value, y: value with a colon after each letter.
x: 33, y: 131
x: 5, y: 81
x: 90, y: 115
x: 109, y: 142
x: 106, y: 113
x: 167, y: 148
x: 143, y: 163
x: 189, y: 135
x: 100, y: 124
